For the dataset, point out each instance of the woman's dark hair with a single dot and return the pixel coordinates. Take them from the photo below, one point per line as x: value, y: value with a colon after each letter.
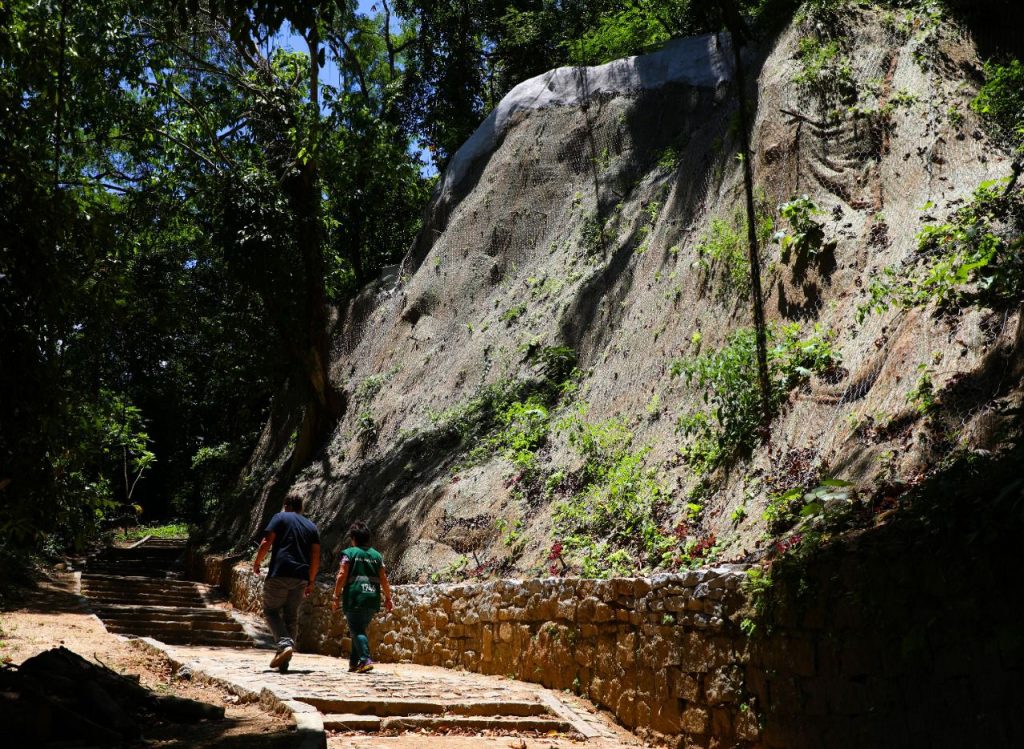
x: 360, y: 531
x: 293, y: 503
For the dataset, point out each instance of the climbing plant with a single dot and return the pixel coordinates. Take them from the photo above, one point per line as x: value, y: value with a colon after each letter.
x: 726, y: 382
x: 1000, y: 102
x: 723, y: 247
x: 973, y: 258
x: 806, y: 236
x: 611, y: 524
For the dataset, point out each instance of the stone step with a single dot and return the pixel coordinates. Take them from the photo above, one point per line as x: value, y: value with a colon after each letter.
x: 102, y: 577
x: 351, y: 722
x: 165, y: 559
x: 135, y: 625
x: 141, y: 578
x: 156, y: 573
x: 511, y: 724
x: 207, y: 640
x: 402, y: 706
x: 155, y: 545
x: 128, y: 620
x: 128, y: 592
x: 162, y: 554
x: 162, y: 612
x: 142, y: 552
x: 127, y: 600
x: 130, y: 570
x: 142, y: 590
x: 139, y: 592
x: 179, y: 543
x: 112, y: 591
x: 156, y: 586
x: 211, y: 639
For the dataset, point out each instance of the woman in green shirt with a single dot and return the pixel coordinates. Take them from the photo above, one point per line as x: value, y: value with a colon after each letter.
x: 361, y: 578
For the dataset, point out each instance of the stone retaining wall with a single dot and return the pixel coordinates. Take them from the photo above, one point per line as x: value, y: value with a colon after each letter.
x: 907, y: 635
x: 663, y: 654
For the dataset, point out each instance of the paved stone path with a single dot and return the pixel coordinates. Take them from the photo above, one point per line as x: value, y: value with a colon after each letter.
x: 139, y: 592
x: 401, y: 705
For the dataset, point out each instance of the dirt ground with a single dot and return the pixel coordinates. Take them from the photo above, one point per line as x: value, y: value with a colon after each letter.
x: 52, y: 615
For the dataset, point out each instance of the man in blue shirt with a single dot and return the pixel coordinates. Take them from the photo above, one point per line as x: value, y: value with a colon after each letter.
x: 294, y: 562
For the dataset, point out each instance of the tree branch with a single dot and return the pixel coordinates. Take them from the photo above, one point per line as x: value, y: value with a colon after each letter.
x: 798, y: 116
x: 313, y: 44
x: 202, y: 157
x: 387, y: 38
x: 233, y: 129
x: 350, y: 60
x: 205, y: 124
x: 105, y: 185
x: 135, y: 482
x: 199, y: 65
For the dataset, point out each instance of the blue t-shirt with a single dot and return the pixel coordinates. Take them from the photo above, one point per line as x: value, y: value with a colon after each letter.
x: 294, y: 536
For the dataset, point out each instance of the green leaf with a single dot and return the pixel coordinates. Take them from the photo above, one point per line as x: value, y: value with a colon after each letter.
x: 812, y: 508
x: 835, y: 482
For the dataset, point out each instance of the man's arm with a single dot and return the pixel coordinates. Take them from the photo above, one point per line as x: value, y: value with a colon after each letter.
x: 386, y: 587
x: 314, y: 567
x: 268, y: 540
x: 339, y: 582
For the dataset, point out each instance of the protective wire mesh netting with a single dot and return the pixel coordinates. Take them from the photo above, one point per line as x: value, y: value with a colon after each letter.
x: 588, y: 226
x: 887, y: 147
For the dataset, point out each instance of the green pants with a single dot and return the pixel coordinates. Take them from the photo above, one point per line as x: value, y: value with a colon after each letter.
x: 358, y: 621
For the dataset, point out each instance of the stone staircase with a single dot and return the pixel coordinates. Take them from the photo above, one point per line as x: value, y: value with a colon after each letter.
x: 139, y: 591
x: 401, y: 704
x: 387, y: 714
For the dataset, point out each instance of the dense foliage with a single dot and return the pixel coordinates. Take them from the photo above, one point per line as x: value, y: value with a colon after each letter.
x: 729, y: 423
x: 181, y: 201
x: 973, y: 258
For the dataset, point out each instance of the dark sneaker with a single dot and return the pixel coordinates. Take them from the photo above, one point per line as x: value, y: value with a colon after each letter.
x: 365, y: 666
x: 282, y: 657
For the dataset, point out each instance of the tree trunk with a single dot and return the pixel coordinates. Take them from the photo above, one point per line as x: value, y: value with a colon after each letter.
x: 325, y: 405
x: 739, y: 33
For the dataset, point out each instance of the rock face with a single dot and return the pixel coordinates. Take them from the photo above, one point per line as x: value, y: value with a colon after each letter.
x: 699, y: 62
x: 584, y: 214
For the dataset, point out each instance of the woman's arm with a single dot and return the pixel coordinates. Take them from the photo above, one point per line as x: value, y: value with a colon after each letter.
x: 386, y: 587
x: 339, y: 582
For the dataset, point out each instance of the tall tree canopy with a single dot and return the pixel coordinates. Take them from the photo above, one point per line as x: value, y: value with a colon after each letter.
x: 183, y: 198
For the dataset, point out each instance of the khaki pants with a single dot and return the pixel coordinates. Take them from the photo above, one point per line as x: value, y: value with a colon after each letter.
x: 281, y: 599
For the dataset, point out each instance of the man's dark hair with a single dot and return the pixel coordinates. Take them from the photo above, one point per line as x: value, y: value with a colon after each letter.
x: 360, y: 531
x: 293, y: 503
